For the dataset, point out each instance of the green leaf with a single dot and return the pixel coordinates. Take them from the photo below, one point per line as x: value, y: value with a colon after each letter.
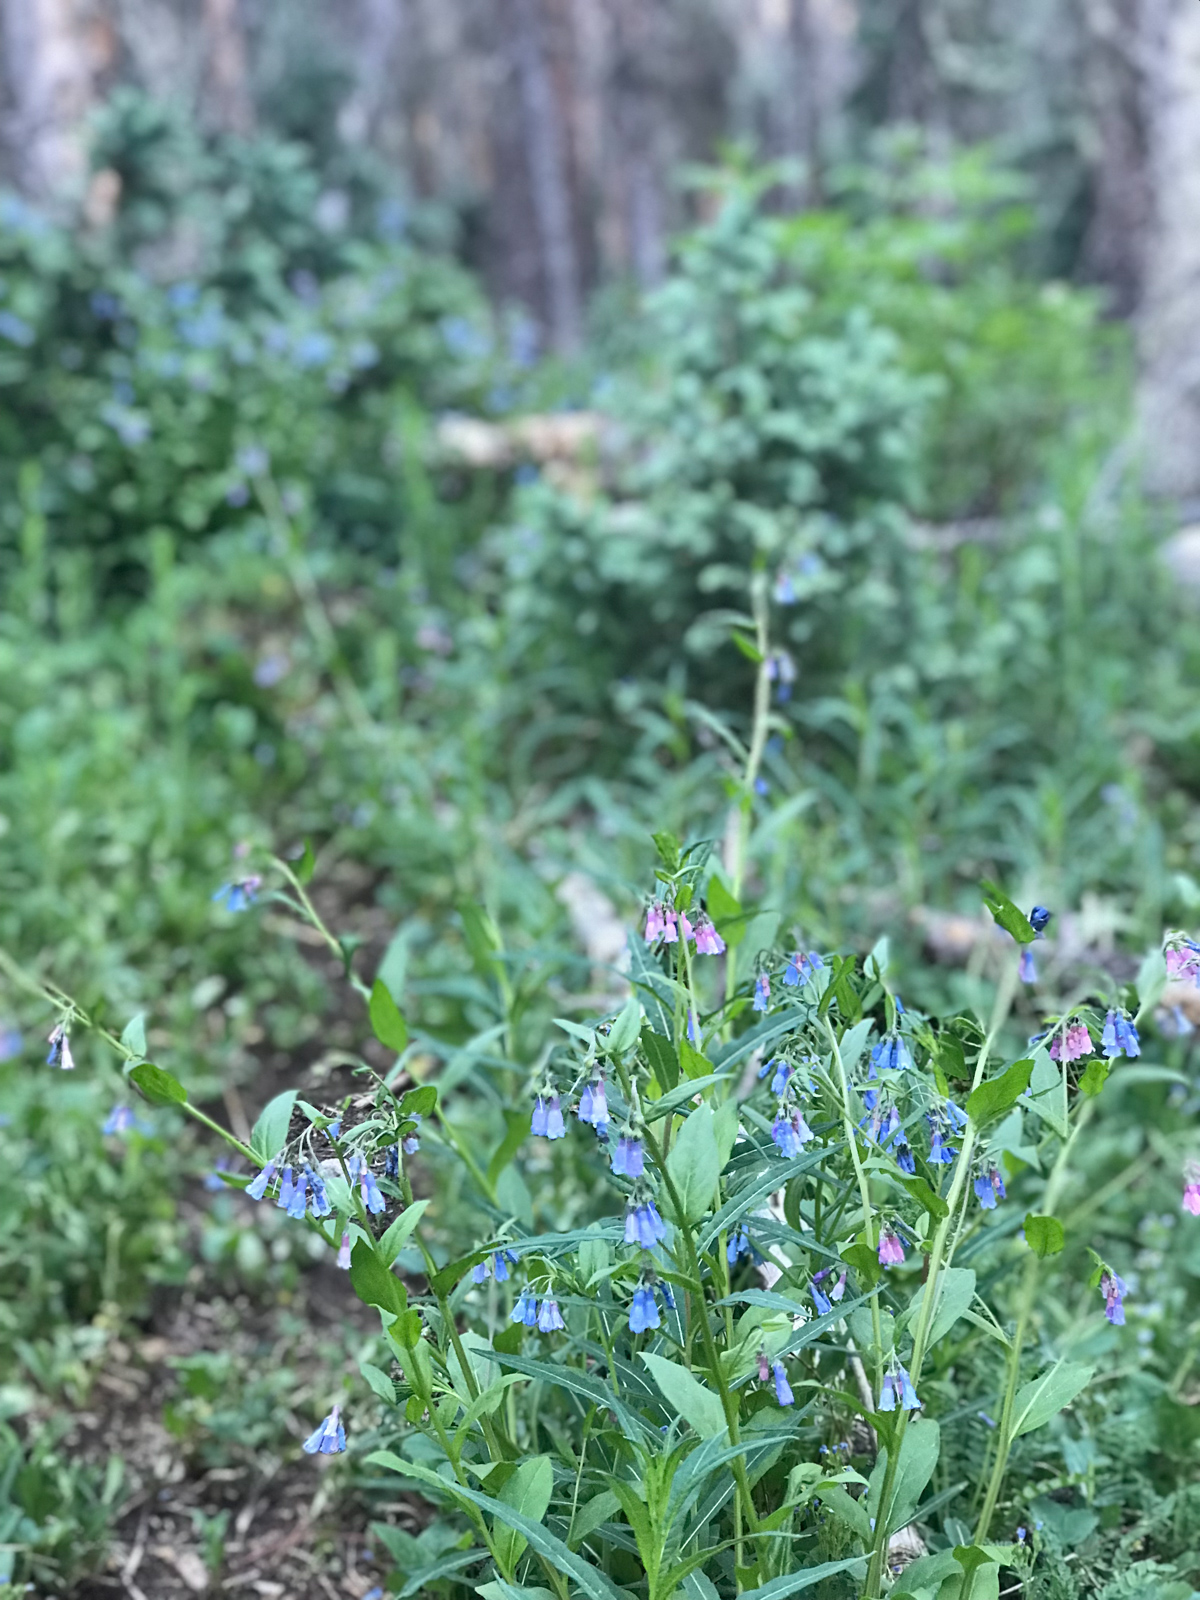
x: 693, y: 1062
x: 794, y: 1582
x: 388, y: 1026
x: 995, y: 1096
x: 926, y: 1198
x: 483, y: 938
x: 1047, y: 1096
x: 588, y: 1518
x: 133, y: 1036
x: 622, y: 1036
x: 726, y: 912
x: 516, y: 1132
x: 379, y: 1382
x: 594, y: 1583
x: 668, y: 848
x: 919, y: 1451
x: 864, y: 1260
x: 1006, y: 914
x: 660, y: 1054
x: 699, y: 1407
x: 157, y: 1086
x: 527, y: 1491
x: 390, y: 1245
x: 421, y: 1101
x: 695, y: 1163
x: 1151, y: 980
x: 442, y: 1282
x: 307, y: 863
x: 839, y: 1504
x: 747, y: 646
x: 1044, y: 1235
x: 1045, y: 1397
x: 853, y: 1042
x: 956, y: 1290
x: 1095, y: 1076
x: 271, y: 1130
x: 372, y: 1282
x: 585, y: 1384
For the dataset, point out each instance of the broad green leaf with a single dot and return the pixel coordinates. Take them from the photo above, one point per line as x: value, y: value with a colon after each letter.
x: 372, y: 1282
x: 926, y: 1197
x: 664, y: 1063
x: 971, y: 1556
x: 699, y: 1406
x: 387, y: 1024
x: 725, y: 1126
x: 853, y: 1042
x: 1095, y: 1076
x: 271, y: 1130
x: 498, y: 1589
x: 694, y: 1062
x: 995, y: 1096
x: 1151, y: 981
x: 528, y: 1492
x: 589, y: 1517
x: 839, y: 1504
x: 1044, y: 1235
x: 593, y: 1583
x: 419, y: 1102
x: 695, y: 1163
x: 157, y: 1086
x: 918, y: 1458
x: 379, y: 1382
x: 133, y: 1036
x: 794, y: 1582
x: 668, y: 847
x: 726, y: 912
x: 956, y: 1290
x: 623, y: 1034
x: 1006, y: 914
x: 1045, y: 1397
x: 1046, y: 1094
x: 390, y: 1245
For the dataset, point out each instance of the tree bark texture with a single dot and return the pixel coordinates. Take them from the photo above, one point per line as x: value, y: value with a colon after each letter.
x: 228, y: 76
x: 49, y: 81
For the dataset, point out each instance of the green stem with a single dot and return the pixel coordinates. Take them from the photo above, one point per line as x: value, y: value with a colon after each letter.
x: 864, y: 1189
x: 736, y: 864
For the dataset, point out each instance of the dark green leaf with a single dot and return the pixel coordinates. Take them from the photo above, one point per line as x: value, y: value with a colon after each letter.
x: 998, y: 1094
x: 157, y: 1086
x: 1006, y: 914
x: 747, y: 646
x: 387, y: 1024
x: 1095, y: 1076
x: 668, y: 848
x: 925, y: 1197
x: 1044, y: 1235
x: 660, y: 1054
x: 373, y: 1283
x: 726, y: 912
x: 307, y: 863
x: 420, y: 1102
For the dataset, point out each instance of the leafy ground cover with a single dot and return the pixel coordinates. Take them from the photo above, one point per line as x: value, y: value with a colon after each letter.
x: 859, y: 565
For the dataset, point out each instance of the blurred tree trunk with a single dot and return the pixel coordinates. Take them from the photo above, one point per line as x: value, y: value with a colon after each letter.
x: 228, y: 77
x: 380, y: 32
x: 547, y: 158
x: 633, y: 117
x: 49, y: 79
x: 1169, y: 319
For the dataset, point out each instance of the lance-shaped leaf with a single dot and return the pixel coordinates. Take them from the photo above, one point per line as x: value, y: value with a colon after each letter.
x: 271, y: 1130
x: 1045, y: 1397
x: 1006, y: 914
x: 699, y: 1407
x: 157, y: 1086
x: 387, y: 1024
x: 995, y: 1096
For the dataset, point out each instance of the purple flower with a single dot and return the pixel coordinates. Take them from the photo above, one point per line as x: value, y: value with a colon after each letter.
x: 887, y: 1392
x: 501, y: 1261
x: 655, y: 922
x: 628, y: 1159
x: 782, y: 1073
x: 1120, y: 1037
x: 343, y: 1255
x: 1074, y: 1041
x: 908, y: 1395
x: 821, y: 1301
x: 593, y: 1106
x: 891, y: 1250
x: 410, y: 1145
x: 60, y: 1049
x: 257, y: 1187
x: 1191, y: 1188
x: 391, y: 1162
x: 762, y: 992
x: 320, y: 1200
x: 739, y: 1245
x: 904, y: 1156
x: 955, y: 1116
x: 481, y: 1272
x: 329, y: 1438
x: 708, y: 941
x: 790, y: 1133
x: 1039, y: 920
x: 369, y: 1189
x: 1113, y: 1289
x: 526, y: 1309
x: 644, y: 1225
x: 119, y: 1120
x: 643, y: 1313
x: 1027, y: 967
x: 298, y: 1199
x: 549, y: 1318
x: 783, y: 1389
x: 985, y: 1192
x: 547, y: 1120
x: 939, y: 1152
x: 670, y: 934
x: 239, y: 894
x: 286, y: 1188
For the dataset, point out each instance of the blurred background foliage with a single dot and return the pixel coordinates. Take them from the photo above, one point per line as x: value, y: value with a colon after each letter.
x: 258, y: 586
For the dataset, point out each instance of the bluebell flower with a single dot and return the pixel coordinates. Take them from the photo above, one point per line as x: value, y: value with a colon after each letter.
x: 1120, y: 1037
x: 286, y: 1187
x: 481, y: 1272
x: 870, y: 1099
x: 901, y: 1055
x: 643, y: 1313
x: 821, y: 1301
x: 908, y: 1395
x: 761, y: 786
x: 501, y: 1261
x: 762, y: 992
x: 547, y: 1120
x: 644, y: 1225
x: 410, y: 1145
x: 320, y: 1200
x: 738, y: 1245
x: 984, y: 1192
x: 593, y: 1106
x: 939, y: 1151
x: 790, y: 1133
x: 1027, y: 967
x: 257, y: 1187
x: 792, y: 972
x: 904, y: 1156
x: 779, y: 1082
x: 298, y: 1200
x: 783, y: 1389
x: 335, y: 1127
x: 526, y: 1309
x: 213, y: 1181
x: 239, y: 894
x: 955, y: 1115
x: 369, y: 1189
x: 766, y: 1067
x: 329, y: 1438
x: 628, y: 1158
x: 119, y: 1120
x: 344, y: 1253
x: 693, y: 1030
x: 391, y: 1162
x: 549, y: 1318
x: 887, y: 1392
x: 1039, y: 919
x: 60, y: 1049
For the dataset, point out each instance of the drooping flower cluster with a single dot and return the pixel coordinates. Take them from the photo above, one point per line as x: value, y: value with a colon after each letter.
x: 239, y: 894
x: 60, y: 1049
x: 497, y: 1264
x: 543, y: 1315
x: 824, y: 1302
x: 891, y: 1247
x: 989, y: 1186
x: 328, y: 1438
x: 643, y: 1224
x: 1113, y: 1288
x: 1120, y: 1037
x: 665, y: 923
x: 801, y: 968
x: 643, y: 1311
x: 628, y: 1157
x: 1182, y: 957
x: 897, y: 1388
x: 1191, y: 1188
x: 547, y: 1120
x: 1071, y: 1042
x: 593, y: 1106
